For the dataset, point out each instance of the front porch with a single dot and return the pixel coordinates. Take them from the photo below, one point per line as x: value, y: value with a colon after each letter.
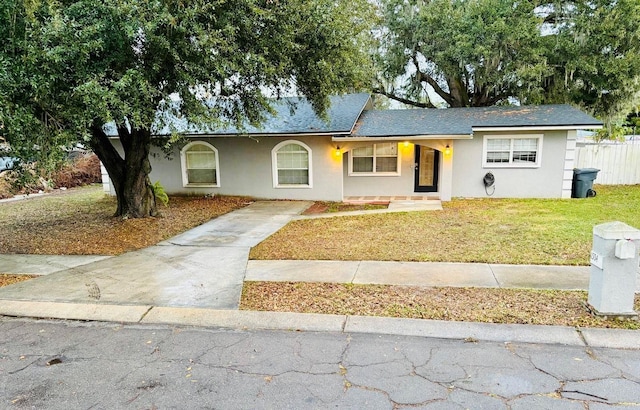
x: 406, y: 170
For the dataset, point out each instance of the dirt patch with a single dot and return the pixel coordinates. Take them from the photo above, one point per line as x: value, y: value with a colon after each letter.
x: 321, y: 207
x: 539, y: 307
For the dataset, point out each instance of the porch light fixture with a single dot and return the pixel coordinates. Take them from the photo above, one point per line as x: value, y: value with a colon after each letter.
x: 447, y: 150
x: 406, y: 144
x: 338, y: 152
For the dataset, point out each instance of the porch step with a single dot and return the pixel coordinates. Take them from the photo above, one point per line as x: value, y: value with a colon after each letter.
x: 388, y: 199
x: 415, y: 205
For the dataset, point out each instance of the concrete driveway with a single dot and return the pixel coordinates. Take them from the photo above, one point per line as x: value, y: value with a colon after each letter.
x: 203, y: 267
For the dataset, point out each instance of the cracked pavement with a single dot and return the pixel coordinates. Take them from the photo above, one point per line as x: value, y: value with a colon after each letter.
x: 62, y: 365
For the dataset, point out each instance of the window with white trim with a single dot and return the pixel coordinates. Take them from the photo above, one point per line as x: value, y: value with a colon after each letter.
x: 199, y: 165
x: 520, y: 151
x: 375, y: 159
x: 291, y: 165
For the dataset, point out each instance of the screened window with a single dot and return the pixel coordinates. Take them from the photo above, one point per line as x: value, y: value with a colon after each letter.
x: 521, y: 151
x: 292, y: 162
x: 200, y: 165
x: 375, y: 159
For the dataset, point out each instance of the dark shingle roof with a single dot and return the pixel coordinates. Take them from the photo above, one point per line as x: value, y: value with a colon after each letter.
x: 293, y: 115
x: 342, y: 115
x: 462, y: 121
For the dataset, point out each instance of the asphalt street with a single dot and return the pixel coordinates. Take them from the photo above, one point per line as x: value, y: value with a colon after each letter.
x: 94, y: 365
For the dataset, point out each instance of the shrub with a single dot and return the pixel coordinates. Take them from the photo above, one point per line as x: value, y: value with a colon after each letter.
x: 6, y: 190
x: 28, y: 178
x: 83, y: 170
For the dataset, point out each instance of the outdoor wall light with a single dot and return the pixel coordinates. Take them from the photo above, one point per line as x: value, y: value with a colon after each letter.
x: 338, y: 152
x: 406, y: 144
x: 447, y: 150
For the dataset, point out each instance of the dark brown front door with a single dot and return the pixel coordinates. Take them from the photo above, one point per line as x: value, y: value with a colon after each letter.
x: 426, y: 174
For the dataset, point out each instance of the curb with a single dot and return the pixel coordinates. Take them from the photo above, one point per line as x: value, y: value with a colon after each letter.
x: 256, y: 320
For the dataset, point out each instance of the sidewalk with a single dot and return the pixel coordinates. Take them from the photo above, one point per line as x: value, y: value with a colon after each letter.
x: 436, y: 274
x: 363, y: 272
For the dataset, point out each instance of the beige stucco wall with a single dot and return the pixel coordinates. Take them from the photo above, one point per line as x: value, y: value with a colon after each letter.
x: 246, y: 169
x: 543, y: 182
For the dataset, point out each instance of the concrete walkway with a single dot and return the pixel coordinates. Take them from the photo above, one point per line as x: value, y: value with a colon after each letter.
x: 203, y: 267
x: 44, y: 264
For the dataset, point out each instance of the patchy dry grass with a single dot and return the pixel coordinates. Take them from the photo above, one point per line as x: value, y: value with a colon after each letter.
x: 7, y: 279
x: 80, y: 222
x: 511, y: 231
x: 539, y: 307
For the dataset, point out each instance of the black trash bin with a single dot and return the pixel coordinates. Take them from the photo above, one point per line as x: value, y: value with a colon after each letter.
x: 582, y: 186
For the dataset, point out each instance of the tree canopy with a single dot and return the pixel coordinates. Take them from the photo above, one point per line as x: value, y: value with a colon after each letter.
x: 594, y: 55
x: 487, y: 52
x: 69, y: 67
x: 468, y: 53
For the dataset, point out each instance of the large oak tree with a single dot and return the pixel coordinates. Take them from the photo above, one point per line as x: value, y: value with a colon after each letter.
x: 464, y: 52
x: 487, y: 52
x: 69, y: 67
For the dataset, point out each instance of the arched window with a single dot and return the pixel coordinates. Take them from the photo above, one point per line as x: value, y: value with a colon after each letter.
x: 199, y: 165
x: 291, y: 165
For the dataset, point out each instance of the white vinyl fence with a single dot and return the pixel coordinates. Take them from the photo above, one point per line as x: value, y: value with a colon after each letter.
x: 619, y: 164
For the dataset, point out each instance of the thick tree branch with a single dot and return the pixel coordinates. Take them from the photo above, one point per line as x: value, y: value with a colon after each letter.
x: 106, y: 152
x: 422, y: 77
x: 125, y: 136
x: 381, y: 91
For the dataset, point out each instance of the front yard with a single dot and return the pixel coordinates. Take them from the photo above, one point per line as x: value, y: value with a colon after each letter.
x: 526, y: 231
x: 485, y: 230
x: 80, y: 222
x: 508, y: 231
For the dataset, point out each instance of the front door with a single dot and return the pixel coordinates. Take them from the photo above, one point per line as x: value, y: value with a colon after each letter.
x: 426, y: 176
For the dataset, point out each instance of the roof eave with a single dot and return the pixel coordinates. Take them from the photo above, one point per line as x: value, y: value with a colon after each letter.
x: 540, y: 128
x: 273, y: 134
x: 405, y: 137
x: 257, y: 135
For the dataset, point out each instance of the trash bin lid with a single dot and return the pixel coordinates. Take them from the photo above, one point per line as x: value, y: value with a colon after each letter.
x: 578, y: 171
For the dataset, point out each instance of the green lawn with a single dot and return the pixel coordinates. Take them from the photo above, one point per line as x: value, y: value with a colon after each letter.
x: 511, y: 231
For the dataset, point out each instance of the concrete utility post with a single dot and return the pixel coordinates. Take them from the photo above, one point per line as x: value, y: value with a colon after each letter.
x: 614, y: 266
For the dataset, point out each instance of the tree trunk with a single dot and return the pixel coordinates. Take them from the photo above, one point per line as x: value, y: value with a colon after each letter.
x: 129, y: 174
x: 458, y: 92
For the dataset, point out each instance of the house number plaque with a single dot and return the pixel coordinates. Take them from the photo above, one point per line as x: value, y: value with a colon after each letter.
x: 596, y: 260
